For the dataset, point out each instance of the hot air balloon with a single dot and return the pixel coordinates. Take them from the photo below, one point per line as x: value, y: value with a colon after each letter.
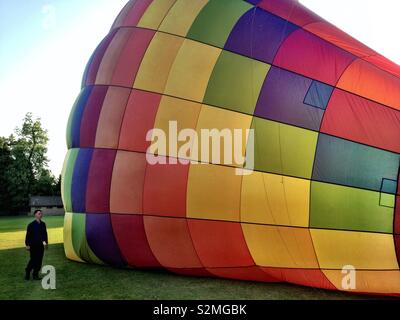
x: 322, y: 201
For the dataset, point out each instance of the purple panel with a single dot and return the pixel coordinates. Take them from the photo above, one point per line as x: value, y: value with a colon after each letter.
x: 255, y: 2
x: 91, y: 116
x: 282, y: 99
x: 100, y: 237
x: 79, y: 180
x: 259, y: 34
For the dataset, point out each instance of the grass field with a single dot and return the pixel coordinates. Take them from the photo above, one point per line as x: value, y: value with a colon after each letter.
x: 81, y: 281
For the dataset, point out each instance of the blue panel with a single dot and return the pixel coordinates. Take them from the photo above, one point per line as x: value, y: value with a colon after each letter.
x: 77, y: 117
x: 259, y: 34
x: 282, y: 99
x: 318, y: 95
x: 389, y: 186
x: 79, y: 180
x: 348, y: 163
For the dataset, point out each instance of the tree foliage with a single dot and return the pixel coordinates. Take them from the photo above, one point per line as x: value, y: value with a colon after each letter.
x: 24, y: 166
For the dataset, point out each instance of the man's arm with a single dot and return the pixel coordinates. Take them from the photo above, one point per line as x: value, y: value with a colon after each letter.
x: 46, y: 239
x: 28, y: 236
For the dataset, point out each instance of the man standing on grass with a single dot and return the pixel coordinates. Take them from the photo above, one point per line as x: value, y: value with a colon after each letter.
x: 36, y: 241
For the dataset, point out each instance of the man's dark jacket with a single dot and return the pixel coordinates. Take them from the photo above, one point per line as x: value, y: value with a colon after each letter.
x: 36, y: 234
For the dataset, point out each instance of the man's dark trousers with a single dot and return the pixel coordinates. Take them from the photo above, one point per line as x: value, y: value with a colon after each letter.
x: 35, y: 262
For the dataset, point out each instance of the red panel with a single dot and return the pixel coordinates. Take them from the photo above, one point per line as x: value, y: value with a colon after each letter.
x: 397, y: 215
x: 99, y: 181
x: 397, y: 246
x: 131, y: 57
x: 126, y: 195
x: 384, y: 64
x: 170, y: 242
x: 91, y: 116
x: 220, y: 244
x: 361, y: 120
x: 139, y: 118
x: 132, y: 241
x: 304, y: 277
x: 313, y: 57
x: 95, y: 61
x: 165, y: 190
x: 132, y: 13
x: 248, y: 274
x: 290, y: 10
x: 339, y: 38
x: 123, y: 14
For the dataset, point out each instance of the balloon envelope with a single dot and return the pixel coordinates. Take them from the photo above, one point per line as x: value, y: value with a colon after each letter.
x: 323, y: 200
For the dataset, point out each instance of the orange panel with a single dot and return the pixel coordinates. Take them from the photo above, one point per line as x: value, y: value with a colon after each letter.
x: 165, y: 190
x: 111, y: 115
x: 220, y: 244
x: 369, y: 81
x: 170, y: 242
x: 111, y: 56
x: 127, y: 183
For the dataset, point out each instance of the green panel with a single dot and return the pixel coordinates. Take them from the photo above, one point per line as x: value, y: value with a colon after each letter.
x: 236, y: 83
x: 339, y: 207
x: 283, y: 149
x: 67, y: 173
x: 387, y: 200
x: 79, y: 241
x: 78, y: 233
x: 70, y: 121
x: 87, y: 254
x: 216, y: 21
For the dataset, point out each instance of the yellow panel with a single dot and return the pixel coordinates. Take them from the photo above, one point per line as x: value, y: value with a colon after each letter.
x: 283, y: 247
x: 68, y: 246
x: 362, y: 250
x: 181, y: 16
x: 221, y: 119
x: 155, y: 14
x: 386, y: 282
x: 191, y: 70
x: 156, y: 65
x: 64, y: 169
x: 275, y: 199
x: 184, y: 112
x: 213, y: 192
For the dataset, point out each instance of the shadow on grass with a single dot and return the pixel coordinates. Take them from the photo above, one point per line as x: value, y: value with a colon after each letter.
x: 79, y: 281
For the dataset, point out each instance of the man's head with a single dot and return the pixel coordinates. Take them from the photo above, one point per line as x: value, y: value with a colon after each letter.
x: 38, y: 214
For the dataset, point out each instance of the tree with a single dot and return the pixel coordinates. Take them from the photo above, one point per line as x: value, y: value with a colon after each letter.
x: 5, y: 162
x: 24, y: 166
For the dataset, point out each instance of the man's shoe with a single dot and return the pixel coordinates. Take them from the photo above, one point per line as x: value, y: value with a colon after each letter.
x: 36, y: 278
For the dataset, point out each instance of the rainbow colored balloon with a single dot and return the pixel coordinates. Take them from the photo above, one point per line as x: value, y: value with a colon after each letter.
x: 322, y: 204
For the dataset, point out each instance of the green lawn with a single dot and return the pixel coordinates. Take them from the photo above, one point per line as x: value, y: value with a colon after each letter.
x: 82, y: 281
x: 18, y: 223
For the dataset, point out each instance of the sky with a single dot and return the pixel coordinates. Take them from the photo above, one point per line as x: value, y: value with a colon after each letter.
x: 45, y: 45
